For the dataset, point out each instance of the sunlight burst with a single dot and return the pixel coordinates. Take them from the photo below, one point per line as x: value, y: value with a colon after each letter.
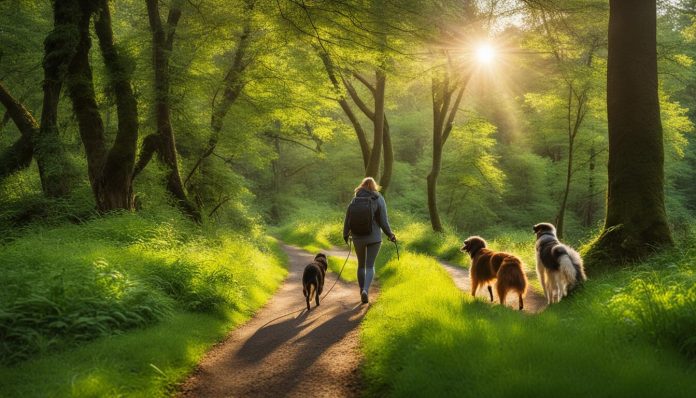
x: 485, y: 54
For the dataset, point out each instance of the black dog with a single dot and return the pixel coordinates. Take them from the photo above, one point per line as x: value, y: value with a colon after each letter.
x: 313, y: 278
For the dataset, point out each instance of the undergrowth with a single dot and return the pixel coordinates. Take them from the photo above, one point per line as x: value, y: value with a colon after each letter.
x: 74, y: 283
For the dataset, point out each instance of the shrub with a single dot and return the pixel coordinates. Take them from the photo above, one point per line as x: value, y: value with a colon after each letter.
x: 660, y: 305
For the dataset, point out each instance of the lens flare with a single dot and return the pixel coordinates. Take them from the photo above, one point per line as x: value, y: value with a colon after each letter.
x: 485, y: 54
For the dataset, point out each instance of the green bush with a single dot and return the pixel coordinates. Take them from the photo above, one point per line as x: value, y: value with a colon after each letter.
x: 661, y: 304
x: 75, y: 283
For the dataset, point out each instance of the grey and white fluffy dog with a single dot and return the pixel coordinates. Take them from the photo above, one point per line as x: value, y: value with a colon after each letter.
x: 559, y: 267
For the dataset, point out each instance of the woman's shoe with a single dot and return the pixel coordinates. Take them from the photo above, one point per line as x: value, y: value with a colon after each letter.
x: 363, y: 297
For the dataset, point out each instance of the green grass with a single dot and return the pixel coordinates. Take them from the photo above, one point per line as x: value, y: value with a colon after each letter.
x: 350, y: 272
x: 313, y: 235
x: 626, y: 333
x: 144, y: 362
x: 125, y: 304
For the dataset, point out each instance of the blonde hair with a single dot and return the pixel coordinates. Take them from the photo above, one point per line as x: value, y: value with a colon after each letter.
x: 368, y: 183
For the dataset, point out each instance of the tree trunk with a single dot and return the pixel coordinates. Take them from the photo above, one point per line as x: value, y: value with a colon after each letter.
x: 378, y: 122
x: 81, y: 91
x: 59, y: 47
x: 357, y: 127
x: 162, y: 42
x: 432, y: 190
x: 636, y: 222
x: 359, y: 132
x: 18, y: 156
x: 440, y: 104
x: 560, y: 220
x: 116, y: 182
x: 388, y: 165
x: 590, y: 206
x: 443, y: 123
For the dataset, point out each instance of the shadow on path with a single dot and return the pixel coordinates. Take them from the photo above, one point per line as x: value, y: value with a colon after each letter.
x: 313, y: 353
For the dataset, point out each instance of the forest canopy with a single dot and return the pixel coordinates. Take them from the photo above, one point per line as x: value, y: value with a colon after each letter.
x: 471, y: 114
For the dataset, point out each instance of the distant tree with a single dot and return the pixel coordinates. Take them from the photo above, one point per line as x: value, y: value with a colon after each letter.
x: 353, y: 41
x: 230, y: 87
x: 164, y: 142
x: 447, y: 93
x: 573, y: 40
x: 636, y: 222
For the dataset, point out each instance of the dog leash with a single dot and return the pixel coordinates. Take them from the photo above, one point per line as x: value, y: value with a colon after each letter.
x: 350, y: 249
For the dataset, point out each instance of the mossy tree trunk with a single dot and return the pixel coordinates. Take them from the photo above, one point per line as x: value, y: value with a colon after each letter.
x: 381, y: 139
x: 116, y: 183
x: 59, y: 48
x: 80, y: 87
x: 636, y: 222
x: 110, y: 171
x: 162, y: 44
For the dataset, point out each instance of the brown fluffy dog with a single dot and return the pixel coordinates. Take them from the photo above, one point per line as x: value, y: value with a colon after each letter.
x: 487, y: 265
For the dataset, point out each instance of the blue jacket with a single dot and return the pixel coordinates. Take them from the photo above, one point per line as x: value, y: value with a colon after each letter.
x: 380, y: 221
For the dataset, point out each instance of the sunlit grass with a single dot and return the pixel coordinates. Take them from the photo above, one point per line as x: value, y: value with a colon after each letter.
x: 350, y: 272
x: 142, y: 363
x: 626, y: 333
x: 424, y: 337
x: 142, y: 298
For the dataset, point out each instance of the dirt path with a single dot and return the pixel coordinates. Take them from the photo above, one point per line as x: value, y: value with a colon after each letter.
x: 534, y: 301
x: 314, y: 354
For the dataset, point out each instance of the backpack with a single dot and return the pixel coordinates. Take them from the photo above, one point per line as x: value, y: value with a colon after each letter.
x: 361, y: 212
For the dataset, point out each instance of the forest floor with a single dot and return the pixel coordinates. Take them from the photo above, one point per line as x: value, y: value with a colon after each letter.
x: 315, y: 353
x: 534, y: 302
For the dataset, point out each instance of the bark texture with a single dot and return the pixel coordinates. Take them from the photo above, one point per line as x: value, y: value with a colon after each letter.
x: 116, y: 185
x: 59, y: 48
x: 636, y: 222
x: 162, y: 43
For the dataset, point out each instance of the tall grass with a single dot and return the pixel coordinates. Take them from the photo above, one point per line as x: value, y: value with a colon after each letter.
x: 74, y: 283
x: 658, y: 300
x: 124, y: 304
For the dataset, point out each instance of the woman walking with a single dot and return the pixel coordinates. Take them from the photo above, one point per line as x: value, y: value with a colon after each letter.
x: 365, y: 220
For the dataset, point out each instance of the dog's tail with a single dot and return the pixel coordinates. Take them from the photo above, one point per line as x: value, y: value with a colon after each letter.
x: 311, y: 290
x: 578, y: 265
x: 571, y: 266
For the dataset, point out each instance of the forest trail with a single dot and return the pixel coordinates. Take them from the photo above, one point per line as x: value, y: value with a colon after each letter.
x: 534, y: 302
x: 313, y: 353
